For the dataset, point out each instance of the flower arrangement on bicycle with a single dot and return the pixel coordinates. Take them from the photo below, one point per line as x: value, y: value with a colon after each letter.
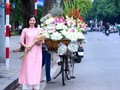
x: 64, y: 23
x: 58, y: 28
x: 67, y: 25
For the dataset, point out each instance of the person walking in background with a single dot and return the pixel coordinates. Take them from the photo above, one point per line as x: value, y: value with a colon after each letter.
x: 20, y: 29
x: 30, y: 73
x: 106, y: 25
x: 118, y: 27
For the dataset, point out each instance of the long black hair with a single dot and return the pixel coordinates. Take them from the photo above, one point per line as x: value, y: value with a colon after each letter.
x: 27, y: 23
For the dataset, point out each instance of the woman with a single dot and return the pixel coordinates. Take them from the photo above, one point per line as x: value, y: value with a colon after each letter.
x: 30, y: 73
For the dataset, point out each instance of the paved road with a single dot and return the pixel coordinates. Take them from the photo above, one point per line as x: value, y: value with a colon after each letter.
x: 100, y: 67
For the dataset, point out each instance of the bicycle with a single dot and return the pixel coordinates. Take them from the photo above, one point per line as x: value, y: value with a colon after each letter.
x: 67, y: 58
x: 67, y: 67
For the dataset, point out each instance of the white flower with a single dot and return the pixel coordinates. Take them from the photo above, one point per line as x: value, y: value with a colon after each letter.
x: 72, y: 36
x: 60, y: 26
x: 73, y: 30
x: 51, y: 29
x: 46, y: 34
x: 49, y: 21
x: 80, y: 35
x: 70, y: 21
x: 56, y: 36
x: 62, y: 48
x: 64, y: 32
x: 73, y: 46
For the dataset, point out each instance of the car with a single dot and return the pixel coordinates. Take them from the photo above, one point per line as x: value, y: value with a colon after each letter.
x: 113, y: 29
x: 88, y: 29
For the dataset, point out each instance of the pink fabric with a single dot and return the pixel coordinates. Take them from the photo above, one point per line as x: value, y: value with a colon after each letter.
x: 30, y: 72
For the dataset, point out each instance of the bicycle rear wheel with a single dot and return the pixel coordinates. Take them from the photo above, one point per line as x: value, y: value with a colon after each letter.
x: 71, y: 67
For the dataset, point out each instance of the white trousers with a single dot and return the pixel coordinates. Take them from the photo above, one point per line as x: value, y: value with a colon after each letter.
x: 30, y: 87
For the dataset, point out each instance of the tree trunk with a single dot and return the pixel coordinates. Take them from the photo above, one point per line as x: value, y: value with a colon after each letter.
x: 28, y: 8
x: 47, y: 6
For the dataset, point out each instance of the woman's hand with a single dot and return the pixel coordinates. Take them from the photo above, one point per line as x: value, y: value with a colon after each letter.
x: 43, y: 41
x: 29, y: 47
x: 38, y: 43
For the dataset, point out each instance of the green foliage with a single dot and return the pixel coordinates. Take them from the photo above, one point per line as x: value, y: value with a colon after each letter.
x: 16, y: 13
x: 105, y: 10
x: 68, y: 6
x: 83, y: 5
x: 19, y: 12
x: 39, y: 13
x: 18, y: 16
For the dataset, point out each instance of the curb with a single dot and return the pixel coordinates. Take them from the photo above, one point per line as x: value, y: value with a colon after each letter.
x: 11, y: 83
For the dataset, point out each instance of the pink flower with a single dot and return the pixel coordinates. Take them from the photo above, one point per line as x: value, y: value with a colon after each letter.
x: 59, y: 20
x: 71, y: 23
x: 66, y: 0
x: 72, y: 30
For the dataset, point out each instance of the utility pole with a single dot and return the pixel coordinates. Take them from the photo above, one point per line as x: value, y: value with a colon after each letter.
x: 35, y: 7
x: 2, y: 31
x: 7, y: 33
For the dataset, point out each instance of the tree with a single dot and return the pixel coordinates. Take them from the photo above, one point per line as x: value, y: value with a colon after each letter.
x: 23, y: 8
x: 47, y: 6
x: 106, y: 10
x: 28, y: 8
x: 40, y: 8
x: 18, y: 12
x: 13, y: 15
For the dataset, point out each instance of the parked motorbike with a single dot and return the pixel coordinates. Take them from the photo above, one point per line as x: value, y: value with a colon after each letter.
x: 79, y: 55
x: 107, y: 32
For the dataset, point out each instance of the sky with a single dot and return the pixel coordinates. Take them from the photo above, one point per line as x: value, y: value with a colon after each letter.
x: 40, y: 2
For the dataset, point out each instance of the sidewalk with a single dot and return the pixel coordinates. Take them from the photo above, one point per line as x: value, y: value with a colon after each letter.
x: 9, y: 78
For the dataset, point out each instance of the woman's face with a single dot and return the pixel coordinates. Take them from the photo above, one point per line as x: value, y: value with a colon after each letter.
x: 32, y: 22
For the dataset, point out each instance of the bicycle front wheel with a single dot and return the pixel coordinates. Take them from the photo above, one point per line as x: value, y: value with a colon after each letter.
x: 63, y: 71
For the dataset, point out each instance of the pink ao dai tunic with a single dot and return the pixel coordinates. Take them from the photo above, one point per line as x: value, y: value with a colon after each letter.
x: 30, y: 72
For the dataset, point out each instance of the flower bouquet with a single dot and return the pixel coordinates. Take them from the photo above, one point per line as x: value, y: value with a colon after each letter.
x: 67, y: 27
x: 39, y: 37
x: 60, y: 30
x: 63, y: 28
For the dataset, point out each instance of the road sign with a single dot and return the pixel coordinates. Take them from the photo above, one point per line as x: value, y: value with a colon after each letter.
x: 2, y: 5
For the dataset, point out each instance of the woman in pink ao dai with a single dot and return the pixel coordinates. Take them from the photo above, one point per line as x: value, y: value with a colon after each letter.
x: 30, y: 73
